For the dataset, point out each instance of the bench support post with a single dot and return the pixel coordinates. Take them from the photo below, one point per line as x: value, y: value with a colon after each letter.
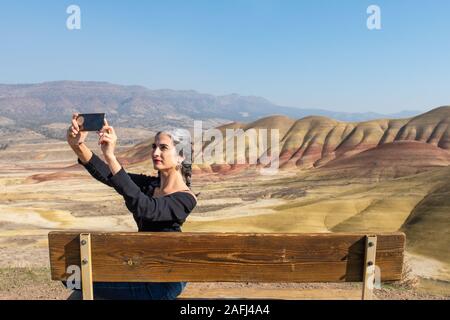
x: 86, y: 266
x: 369, y: 267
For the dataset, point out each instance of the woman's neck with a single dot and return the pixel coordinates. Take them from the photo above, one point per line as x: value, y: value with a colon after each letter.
x: 170, y: 180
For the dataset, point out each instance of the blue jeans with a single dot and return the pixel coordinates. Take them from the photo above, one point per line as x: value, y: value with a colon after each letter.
x: 138, y: 290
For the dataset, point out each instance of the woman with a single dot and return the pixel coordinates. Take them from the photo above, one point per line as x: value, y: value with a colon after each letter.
x: 157, y: 203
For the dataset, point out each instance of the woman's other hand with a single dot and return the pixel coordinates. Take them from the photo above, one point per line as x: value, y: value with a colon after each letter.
x: 107, y: 140
x: 74, y: 136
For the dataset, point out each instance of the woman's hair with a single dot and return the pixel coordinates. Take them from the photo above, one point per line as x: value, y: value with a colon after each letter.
x: 182, y: 141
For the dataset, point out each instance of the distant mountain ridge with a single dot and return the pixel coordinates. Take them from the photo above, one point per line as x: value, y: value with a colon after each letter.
x: 138, y: 107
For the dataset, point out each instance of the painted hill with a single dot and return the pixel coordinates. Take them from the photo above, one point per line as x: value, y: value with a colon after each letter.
x: 377, y: 148
x: 428, y: 224
x: 391, y: 160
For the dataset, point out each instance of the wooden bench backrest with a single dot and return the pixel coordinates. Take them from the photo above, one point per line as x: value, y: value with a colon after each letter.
x: 233, y: 257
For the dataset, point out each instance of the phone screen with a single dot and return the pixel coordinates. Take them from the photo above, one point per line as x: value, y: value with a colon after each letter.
x: 91, y: 121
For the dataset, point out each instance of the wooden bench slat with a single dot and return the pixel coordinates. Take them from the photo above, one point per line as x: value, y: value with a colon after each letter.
x: 211, y: 257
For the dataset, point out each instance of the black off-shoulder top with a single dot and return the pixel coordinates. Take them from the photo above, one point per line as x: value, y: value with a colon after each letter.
x: 152, y: 214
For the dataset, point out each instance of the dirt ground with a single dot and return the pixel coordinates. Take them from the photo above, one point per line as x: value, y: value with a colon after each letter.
x: 39, y: 287
x: 41, y: 192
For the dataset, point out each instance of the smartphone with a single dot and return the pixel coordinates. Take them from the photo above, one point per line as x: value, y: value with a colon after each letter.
x: 91, y: 121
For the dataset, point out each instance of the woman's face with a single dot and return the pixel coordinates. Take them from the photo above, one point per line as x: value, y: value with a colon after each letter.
x: 164, y: 154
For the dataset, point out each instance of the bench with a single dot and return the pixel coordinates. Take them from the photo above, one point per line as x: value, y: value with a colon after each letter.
x: 227, y: 257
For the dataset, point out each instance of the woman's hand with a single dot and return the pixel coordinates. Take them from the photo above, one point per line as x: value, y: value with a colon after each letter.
x: 74, y: 136
x: 107, y: 140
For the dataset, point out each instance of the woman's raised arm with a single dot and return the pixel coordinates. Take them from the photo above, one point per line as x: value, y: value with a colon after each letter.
x: 76, y: 138
x: 92, y: 163
x: 83, y: 153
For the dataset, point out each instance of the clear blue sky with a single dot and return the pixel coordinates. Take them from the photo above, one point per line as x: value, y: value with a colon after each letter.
x: 313, y: 53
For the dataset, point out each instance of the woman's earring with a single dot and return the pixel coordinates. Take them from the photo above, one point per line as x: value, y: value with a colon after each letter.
x: 178, y: 166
